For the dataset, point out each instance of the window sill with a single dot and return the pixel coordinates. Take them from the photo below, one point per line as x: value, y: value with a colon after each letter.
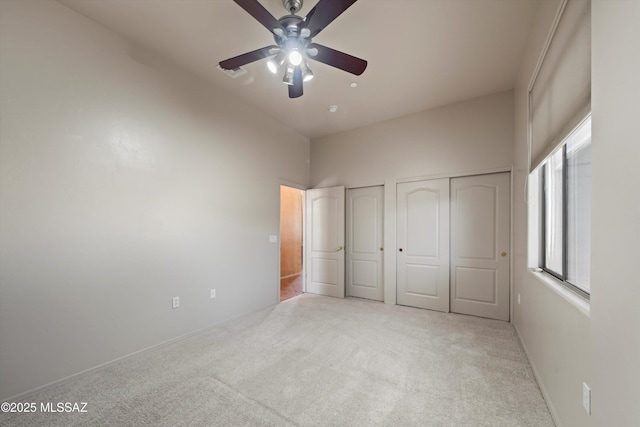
x: 582, y: 304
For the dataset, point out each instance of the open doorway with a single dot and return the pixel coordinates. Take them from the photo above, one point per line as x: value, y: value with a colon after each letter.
x: 291, y: 242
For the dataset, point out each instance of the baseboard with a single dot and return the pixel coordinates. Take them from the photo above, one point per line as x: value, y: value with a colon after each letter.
x: 545, y: 395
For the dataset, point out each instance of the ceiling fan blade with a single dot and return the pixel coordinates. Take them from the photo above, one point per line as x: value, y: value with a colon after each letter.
x: 324, y: 12
x: 295, y: 90
x: 338, y: 59
x: 247, y: 58
x: 262, y: 15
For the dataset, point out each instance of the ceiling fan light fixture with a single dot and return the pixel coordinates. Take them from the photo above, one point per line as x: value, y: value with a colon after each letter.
x: 288, y: 75
x: 272, y: 66
x: 307, y: 74
x: 274, y: 63
x: 295, y: 57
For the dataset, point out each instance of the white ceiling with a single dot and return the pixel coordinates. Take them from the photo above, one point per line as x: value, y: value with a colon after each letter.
x: 421, y: 53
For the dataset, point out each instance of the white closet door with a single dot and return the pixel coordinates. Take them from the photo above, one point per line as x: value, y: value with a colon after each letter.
x: 365, y: 210
x: 325, y: 241
x: 480, y: 230
x: 423, y: 244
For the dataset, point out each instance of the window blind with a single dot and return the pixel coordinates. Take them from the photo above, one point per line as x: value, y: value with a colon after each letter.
x: 560, y: 95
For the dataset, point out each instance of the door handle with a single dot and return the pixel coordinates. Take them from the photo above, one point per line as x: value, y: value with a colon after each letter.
x: 339, y: 249
x: 504, y: 254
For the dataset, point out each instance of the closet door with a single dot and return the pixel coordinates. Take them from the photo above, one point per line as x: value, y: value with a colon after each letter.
x: 480, y: 230
x: 364, y: 242
x: 423, y: 244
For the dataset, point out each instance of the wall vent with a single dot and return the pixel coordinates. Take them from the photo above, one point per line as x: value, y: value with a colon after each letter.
x: 236, y: 72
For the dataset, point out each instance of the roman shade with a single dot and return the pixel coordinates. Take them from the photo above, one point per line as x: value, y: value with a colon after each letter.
x: 560, y: 92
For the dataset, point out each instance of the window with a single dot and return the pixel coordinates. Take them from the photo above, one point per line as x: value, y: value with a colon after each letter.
x: 552, y: 215
x: 565, y: 210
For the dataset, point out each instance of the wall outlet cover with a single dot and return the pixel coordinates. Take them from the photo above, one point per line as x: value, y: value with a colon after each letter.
x: 175, y: 302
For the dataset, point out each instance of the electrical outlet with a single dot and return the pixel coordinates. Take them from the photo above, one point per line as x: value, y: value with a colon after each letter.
x: 518, y: 297
x: 212, y: 294
x: 586, y: 398
x: 175, y: 302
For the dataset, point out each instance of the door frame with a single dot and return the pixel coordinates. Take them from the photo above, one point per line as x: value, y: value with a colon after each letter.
x: 304, y: 233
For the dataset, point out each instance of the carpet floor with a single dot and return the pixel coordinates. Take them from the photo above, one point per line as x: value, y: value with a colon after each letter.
x: 314, y: 361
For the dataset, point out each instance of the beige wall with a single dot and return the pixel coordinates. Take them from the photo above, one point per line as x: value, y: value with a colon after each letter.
x: 553, y: 326
x: 120, y: 181
x: 460, y: 138
x: 615, y: 302
x: 568, y: 341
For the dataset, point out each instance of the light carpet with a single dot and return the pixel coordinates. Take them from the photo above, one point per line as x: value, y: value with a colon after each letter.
x: 315, y: 361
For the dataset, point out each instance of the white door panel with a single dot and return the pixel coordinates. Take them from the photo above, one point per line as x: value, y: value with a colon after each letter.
x: 480, y: 218
x: 325, y: 248
x: 365, y: 210
x: 423, y: 222
x: 364, y: 274
x: 422, y: 280
x: 476, y: 284
x: 423, y: 244
x: 476, y: 231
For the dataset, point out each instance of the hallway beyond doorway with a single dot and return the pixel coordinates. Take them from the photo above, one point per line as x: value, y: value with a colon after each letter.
x: 290, y: 287
x: 291, y: 242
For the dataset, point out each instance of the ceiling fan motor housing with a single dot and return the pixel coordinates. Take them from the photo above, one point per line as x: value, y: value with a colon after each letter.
x: 293, y: 6
x: 291, y: 24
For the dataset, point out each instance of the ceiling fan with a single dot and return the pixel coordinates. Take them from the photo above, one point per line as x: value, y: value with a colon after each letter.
x: 293, y: 36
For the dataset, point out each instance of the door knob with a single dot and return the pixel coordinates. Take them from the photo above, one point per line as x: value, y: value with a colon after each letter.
x: 382, y: 249
x: 400, y: 249
x: 504, y: 254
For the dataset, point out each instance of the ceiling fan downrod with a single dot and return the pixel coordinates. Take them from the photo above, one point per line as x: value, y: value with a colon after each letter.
x: 293, y: 6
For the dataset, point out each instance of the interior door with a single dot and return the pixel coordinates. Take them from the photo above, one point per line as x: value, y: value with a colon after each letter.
x: 325, y: 241
x: 365, y: 210
x: 480, y: 230
x: 423, y: 244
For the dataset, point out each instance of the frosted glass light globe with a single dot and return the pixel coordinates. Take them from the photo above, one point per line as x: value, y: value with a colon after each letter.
x: 295, y: 58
